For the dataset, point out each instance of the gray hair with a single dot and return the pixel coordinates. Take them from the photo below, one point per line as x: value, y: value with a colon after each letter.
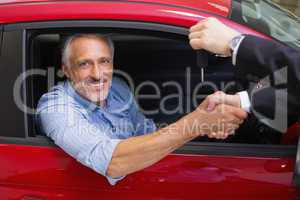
x: 66, y: 47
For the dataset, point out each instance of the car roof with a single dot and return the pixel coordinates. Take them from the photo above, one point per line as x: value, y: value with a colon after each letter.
x: 219, y: 7
x: 184, y: 13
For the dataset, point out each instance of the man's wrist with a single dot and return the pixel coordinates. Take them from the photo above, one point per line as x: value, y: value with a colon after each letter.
x: 191, y: 124
x: 234, y: 46
x: 245, y: 101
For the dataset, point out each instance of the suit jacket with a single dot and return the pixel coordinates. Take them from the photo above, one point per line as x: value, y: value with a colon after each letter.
x: 276, y: 96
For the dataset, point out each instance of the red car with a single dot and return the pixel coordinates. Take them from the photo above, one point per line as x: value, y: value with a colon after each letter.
x: 151, y: 45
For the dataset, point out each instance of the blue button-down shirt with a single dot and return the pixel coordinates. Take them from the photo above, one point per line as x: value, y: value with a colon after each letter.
x: 87, y: 132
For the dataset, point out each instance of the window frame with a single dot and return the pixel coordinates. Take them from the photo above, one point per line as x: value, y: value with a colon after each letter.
x: 12, y: 63
x: 198, y: 148
x: 1, y: 37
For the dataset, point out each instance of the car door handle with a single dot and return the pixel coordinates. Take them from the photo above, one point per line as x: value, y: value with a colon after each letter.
x: 33, y: 197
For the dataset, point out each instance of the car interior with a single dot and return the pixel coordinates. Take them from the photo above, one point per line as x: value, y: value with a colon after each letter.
x: 168, y: 65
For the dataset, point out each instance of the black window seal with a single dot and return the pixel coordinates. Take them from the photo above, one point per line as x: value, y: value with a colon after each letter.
x: 195, y: 148
x: 28, y: 141
x: 24, y: 67
x: 238, y: 149
x: 1, y: 37
x: 98, y: 24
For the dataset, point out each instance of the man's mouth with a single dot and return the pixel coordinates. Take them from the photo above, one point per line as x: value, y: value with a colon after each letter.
x: 97, y: 84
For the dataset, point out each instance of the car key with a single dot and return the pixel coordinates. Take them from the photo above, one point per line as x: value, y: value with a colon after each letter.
x: 202, y: 62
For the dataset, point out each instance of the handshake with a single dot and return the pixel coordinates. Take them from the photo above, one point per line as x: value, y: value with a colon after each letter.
x: 218, y: 116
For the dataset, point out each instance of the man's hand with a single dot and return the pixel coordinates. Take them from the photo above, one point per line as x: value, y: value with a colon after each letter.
x: 212, y: 35
x: 219, y: 123
x: 222, y: 107
x: 220, y: 97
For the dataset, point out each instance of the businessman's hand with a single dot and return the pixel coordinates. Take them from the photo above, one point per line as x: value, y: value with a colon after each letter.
x: 221, y: 107
x: 212, y: 35
x: 218, y: 123
x: 220, y: 97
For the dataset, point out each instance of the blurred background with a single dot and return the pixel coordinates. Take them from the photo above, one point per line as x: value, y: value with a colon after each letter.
x: 291, y: 5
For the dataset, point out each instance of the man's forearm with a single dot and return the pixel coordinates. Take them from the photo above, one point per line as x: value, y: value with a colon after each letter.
x: 137, y: 153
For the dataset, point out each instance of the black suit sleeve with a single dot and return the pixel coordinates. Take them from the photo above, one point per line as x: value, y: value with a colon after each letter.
x: 279, y: 64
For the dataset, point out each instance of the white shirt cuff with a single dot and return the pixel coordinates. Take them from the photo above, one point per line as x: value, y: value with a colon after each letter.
x: 235, y: 50
x: 245, y: 101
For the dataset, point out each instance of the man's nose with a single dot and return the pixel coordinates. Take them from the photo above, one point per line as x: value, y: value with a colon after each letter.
x: 96, y: 72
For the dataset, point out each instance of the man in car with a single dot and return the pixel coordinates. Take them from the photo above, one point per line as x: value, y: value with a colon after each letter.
x: 95, y: 119
x: 275, y: 99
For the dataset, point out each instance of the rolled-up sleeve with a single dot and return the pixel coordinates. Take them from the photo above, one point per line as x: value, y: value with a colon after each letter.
x: 87, y: 143
x: 142, y: 124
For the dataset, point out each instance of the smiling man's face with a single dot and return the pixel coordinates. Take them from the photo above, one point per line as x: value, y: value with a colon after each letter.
x: 90, y: 68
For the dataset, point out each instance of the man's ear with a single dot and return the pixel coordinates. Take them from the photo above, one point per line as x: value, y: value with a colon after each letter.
x: 65, y: 70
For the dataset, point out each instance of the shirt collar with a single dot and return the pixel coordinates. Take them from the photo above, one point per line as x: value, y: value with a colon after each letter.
x: 114, y: 102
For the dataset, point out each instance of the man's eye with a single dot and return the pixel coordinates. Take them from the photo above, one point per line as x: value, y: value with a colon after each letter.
x: 83, y: 64
x: 106, y: 61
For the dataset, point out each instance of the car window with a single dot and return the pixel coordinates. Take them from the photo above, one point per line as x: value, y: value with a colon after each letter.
x: 268, y: 18
x: 160, y: 69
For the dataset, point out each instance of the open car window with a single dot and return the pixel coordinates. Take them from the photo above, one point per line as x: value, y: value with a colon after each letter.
x: 161, y: 70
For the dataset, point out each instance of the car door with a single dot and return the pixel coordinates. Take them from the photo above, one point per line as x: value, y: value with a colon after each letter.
x: 33, y: 167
